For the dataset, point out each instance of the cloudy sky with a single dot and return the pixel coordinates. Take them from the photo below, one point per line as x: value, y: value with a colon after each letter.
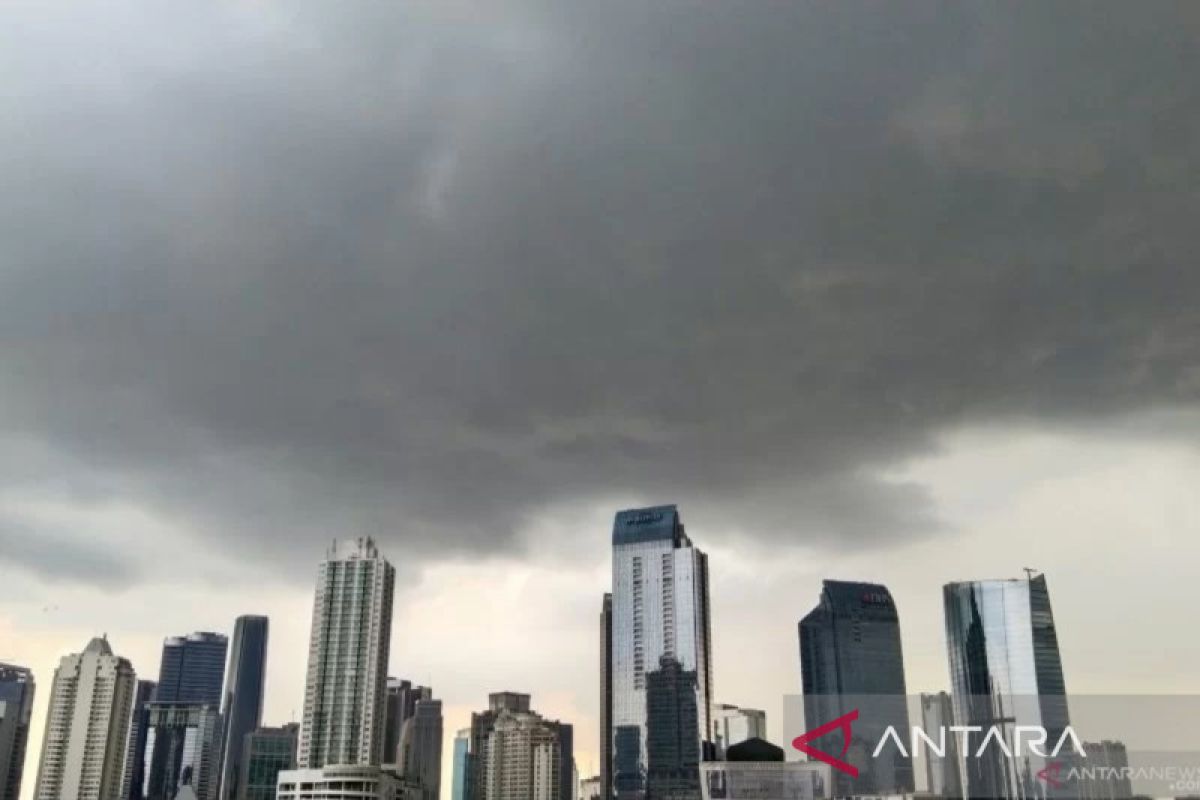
x: 900, y: 292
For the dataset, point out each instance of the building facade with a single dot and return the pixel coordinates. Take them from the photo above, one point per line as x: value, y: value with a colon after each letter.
x: 265, y: 753
x: 851, y: 659
x: 460, y: 786
x: 241, y: 711
x: 182, y: 750
x: 942, y: 772
x: 421, y: 747
x: 17, y: 689
x: 732, y: 725
x: 192, y: 669
x: 1005, y: 671
x: 402, y: 697
x: 660, y: 621
x: 135, y: 747
x: 348, y: 782
x: 516, y: 753
x: 345, y: 687
x: 87, y: 725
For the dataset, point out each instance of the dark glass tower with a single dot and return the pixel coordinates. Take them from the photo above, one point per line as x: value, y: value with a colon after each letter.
x: 242, y: 711
x: 16, y: 707
x: 850, y: 659
x: 673, y: 752
x: 1006, y: 672
x: 135, y: 750
x: 606, y: 698
x: 192, y: 669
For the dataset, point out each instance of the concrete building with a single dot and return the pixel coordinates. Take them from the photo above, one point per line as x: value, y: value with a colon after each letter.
x: 350, y: 782
x: 516, y: 754
x: 345, y: 688
x: 16, y: 708
x: 421, y: 747
x: 401, y: 704
x: 83, y: 750
x: 732, y: 725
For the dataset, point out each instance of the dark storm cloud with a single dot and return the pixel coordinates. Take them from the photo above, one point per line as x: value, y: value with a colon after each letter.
x: 285, y: 272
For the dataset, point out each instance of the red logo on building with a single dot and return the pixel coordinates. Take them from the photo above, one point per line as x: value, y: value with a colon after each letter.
x: 842, y: 723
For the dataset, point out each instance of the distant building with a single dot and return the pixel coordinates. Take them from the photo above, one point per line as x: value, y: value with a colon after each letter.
x: 851, y: 659
x: 192, y: 669
x: 1005, y: 671
x: 942, y: 773
x: 755, y: 770
x: 732, y: 725
x: 83, y: 750
x: 1103, y: 772
x: 135, y: 748
x: 243, y: 703
x: 265, y: 753
x: 345, y: 687
x: 421, y: 747
x: 17, y: 689
x: 606, y: 697
x: 351, y: 782
x: 591, y: 788
x: 182, y: 750
x: 660, y: 623
x: 517, y: 754
x: 460, y: 788
x: 402, y: 697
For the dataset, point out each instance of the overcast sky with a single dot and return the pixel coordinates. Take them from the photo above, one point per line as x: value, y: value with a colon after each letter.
x: 902, y: 292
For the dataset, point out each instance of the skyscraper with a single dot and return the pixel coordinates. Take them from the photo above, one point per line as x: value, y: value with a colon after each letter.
x: 265, y: 753
x: 16, y: 707
x: 527, y: 757
x: 135, y: 748
x: 460, y: 788
x: 192, y: 669
x: 482, y: 725
x: 402, y: 697
x: 244, y: 685
x: 850, y: 659
x: 673, y: 751
x: 182, y: 751
x: 83, y: 750
x: 345, y: 688
x: 421, y: 747
x: 1005, y: 672
x: 606, y: 697
x: 660, y: 610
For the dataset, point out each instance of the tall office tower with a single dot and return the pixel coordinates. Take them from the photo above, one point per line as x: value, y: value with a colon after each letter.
x: 733, y: 725
x: 527, y: 759
x: 460, y: 787
x: 135, y: 747
x: 265, y: 753
x: 16, y: 708
x: 941, y: 772
x: 660, y: 610
x: 482, y: 723
x: 1005, y: 672
x: 242, y: 709
x: 192, y: 669
x: 401, y: 704
x: 182, y: 750
x: 345, y: 689
x: 673, y: 752
x: 605, y: 777
x: 850, y: 658
x: 421, y: 748
x: 83, y: 751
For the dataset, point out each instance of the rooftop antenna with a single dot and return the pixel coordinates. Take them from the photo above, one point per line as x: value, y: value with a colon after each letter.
x: 1030, y: 572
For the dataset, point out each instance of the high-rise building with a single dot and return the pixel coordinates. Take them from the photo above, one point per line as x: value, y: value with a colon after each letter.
x: 135, y: 748
x: 402, y: 697
x: 265, y: 753
x: 482, y: 724
x: 83, y: 750
x: 660, y: 622
x: 1005, y: 673
x: 16, y: 708
x: 942, y: 775
x: 732, y: 725
x: 606, y: 698
x: 345, y: 688
x: 182, y: 750
x: 460, y: 787
x: 421, y: 748
x: 243, y: 704
x: 673, y: 751
x: 516, y: 754
x: 192, y: 669
x: 851, y: 659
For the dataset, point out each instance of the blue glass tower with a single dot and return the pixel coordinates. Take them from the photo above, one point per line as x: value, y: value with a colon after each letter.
x: 192, y: 669
x: 16, y: 707
x: 242, y: 711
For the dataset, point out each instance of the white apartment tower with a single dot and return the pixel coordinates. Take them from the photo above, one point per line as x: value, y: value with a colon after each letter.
x: 83, y: 750
x: 346, y: 687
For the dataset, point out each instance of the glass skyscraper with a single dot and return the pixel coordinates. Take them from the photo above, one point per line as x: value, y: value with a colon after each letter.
x: 242, y: 711
x: 851, y: 659
x: 139, y: 726
x: 192, y: 669
x: 460, y: 788
x: 265, y: 753
x: 660, y: 640
x: 16, y: 707
x: 1005, y: 672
